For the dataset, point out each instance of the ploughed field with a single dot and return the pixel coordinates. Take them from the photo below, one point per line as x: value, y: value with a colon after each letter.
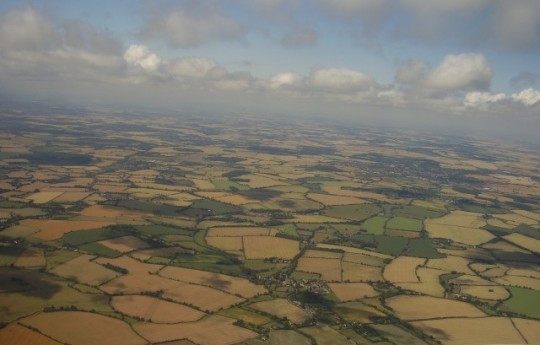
x: 180, y: 230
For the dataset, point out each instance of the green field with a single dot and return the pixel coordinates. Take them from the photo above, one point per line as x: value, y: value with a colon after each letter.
x: 416, y: 212
x: 375, y: 225
x: 353, y: 212
x: 523, y: 301
x: 99, y: 249
x: 423, y: 248
x: 402, y: 223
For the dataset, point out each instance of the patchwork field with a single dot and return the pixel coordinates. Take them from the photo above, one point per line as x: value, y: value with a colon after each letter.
x: 282, y: 309
x: 154, y: 310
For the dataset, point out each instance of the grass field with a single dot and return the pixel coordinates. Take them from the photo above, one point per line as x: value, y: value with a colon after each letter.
x: 375, y: 225
x: 523, y: 301
x: 353, y: 212
x: 402, y: 223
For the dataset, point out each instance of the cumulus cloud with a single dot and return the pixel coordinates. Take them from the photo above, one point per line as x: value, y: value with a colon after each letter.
x: 193, y: 24
x: 34, y: 45
x: 482, y: 100
x: 461, y: 71
x: 340, y: 79
x: 283, y: 79
x: 139, y: 55
x: 193, y: 67
x: 528, y: 97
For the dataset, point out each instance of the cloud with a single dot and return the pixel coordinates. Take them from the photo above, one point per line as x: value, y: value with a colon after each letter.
x: 528, y: 97
x: 460, y: 72
x: 482, y: 100
x: 455, y: 73
x: 524, y: 79
x: 193, y: 24
x: 300, y: 37
x: 34, y: 45
x: 340, y: 79
x: 515, y: 25
x: 193, y: 67
x: 139, y: 55
x: 283, y: 79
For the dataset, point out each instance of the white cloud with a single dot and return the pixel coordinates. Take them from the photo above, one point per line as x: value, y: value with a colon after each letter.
x: 340, y: 79
x: 411, y: 72
x: 193, y: 67
x: 194, y: 24
x: 283, y: 79
x: 528, y: 97
x: 139, y: 55
x: 461, y: 72
x: 26, y: 29
x: 482, y: 100
x: 516, y: 24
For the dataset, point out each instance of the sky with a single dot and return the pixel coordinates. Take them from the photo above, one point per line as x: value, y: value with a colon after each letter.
x: 393, y: 59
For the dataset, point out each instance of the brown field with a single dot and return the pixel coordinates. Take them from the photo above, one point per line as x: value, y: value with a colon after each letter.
x: 311, y: 253
x: 403, y: 270
x: 363, y: 259
x: 202, y: 297
x: 325, y: 335
x: 282, y: 308
x: 470, y: 331
x: 351, y: 291
x: 31, y: 257
x: 110, y: 188
x: 516, y: 219
x: 101, y: 211
x: 451, y: 263
x: 429, y: 282
x: 17, y: 334
x: 527, y: 282
x: 524, y: 272
x: 69, y: 197
x: 233, y: 285
x: 354, y: 250
x: 492, y: 293
x: 259, y: 181
x: 50, y: 229
x: 261, y: 247
x: 124, y: 244
x: 138, y: 283
x: 470, y: 236
x: 408, y: 308
x: 331, y: 200
x: 212, y: 330
x: 238, y: 231
x: 468, y: 279
x: 360, y: 273
x: 329, y: 269
x: 77, y: 327
x: 528, y: 214
x: 43, y: 197
x: 19, y: 231
x: 225, y: 243
x: 528, y: 329
x: 314, y: 218
x: 154, y: 309
x: 133, y: 266
x: 85, y: 271
x: 462, y: 219
x: 524, y: 241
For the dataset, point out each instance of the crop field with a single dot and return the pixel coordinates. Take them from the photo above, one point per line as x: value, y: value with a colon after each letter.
x: 17, y: 334
x: 406, y: 307
x: 233, y: 285
x: 202, y: 297
x: 282, y: 308
x: 76, y: 327
x: 403, y: 270
x: 261, y: 247
x: 83, y: 270
x: 223, y: 331
x: 329, y: 269
x: 352, y: 291
x: 183, y: 230
x: 154, y: 310
x: 465, y: 331
x: 55, y: 229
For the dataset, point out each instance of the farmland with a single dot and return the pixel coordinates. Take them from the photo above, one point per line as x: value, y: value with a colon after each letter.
x: 190, y: 231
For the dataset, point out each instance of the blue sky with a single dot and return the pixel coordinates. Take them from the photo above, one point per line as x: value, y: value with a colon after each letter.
x: 463, y: 56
